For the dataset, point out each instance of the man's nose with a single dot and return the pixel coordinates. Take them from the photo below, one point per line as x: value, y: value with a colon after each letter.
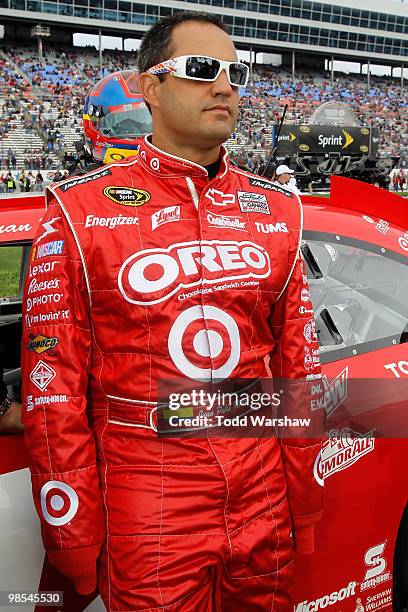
x: 221, y: 85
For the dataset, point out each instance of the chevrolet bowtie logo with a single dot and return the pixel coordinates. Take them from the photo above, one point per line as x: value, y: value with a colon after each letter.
x: 219, y: 198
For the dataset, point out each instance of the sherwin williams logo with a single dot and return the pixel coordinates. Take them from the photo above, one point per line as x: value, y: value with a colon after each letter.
x: 127, y: 196
x: 41, y: 343
x: 153, y: 275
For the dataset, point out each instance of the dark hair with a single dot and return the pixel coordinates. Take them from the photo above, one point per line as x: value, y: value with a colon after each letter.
x: 156, y: 42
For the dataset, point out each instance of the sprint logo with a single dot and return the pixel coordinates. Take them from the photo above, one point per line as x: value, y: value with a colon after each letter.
x: 349, y: 139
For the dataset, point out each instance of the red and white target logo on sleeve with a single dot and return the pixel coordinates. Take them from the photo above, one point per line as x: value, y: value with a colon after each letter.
x: 204, y: 343
x: 59, y: 503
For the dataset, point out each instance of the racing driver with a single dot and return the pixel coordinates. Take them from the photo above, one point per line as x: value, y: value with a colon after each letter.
x: 171, y: 264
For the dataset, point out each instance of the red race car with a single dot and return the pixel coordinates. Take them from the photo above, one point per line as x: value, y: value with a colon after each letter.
x: 356, y: 257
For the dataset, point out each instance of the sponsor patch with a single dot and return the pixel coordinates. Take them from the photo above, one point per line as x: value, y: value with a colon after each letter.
x: 127, y: 196
x: 56, y: 247
x: 169, y: 214
x: 46, y: 317
x: 308, y: 360
x: 376, y: 564
x: 309, y: 331
x: 234, y: 223
x: 44, y: 400
x: 41, y: 268
x: 84, y: 179
x: 110, y: 222
x: 35, y: 286
x: 305, y: 295
x: 340, y: 452
x: 219, y: 198
x: 327, y: 600
x: 40, y: 300
x: 42, y: 375
x: 153, y: 275
x: 41, y: 343
x: 49, y: 229
x: 253, y: 202
x: 271, y: 228
x: 270, y: 187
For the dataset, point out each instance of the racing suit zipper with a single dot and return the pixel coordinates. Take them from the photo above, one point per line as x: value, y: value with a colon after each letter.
x: 193, y: 191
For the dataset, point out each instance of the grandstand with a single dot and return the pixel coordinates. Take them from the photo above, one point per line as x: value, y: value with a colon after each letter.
x: 41, y: 101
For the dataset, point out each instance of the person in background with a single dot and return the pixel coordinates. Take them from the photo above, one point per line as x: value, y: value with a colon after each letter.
x: 283, y: 174
x: 10, y: 183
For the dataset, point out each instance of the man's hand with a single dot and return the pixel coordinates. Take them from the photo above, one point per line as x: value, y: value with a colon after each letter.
x: 10, y: 423
x: 80, y: 565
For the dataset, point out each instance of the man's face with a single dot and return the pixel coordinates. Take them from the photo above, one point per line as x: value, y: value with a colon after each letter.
x: 197, y: 113
x: 284, y: 178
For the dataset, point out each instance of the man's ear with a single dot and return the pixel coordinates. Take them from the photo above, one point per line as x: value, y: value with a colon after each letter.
x: 149, y: 87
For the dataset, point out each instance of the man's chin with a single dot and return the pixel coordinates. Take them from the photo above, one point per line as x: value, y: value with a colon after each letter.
x: 217, y: 133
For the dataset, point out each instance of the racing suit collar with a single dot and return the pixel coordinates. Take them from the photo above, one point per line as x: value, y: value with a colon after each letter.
x: 163, y: 164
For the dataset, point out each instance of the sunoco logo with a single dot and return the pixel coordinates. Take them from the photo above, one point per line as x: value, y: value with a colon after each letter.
x: 153, y: 275
x: 340, y: 452
x: 327, y: 600
x: 40, y: 344
x: 127, y: 196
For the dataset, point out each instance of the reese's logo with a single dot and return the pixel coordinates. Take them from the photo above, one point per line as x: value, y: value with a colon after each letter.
x: 39, y: 344
x: 127, y: 196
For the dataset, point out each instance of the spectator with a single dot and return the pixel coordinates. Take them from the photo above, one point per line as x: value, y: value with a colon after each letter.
x: 10, y: 183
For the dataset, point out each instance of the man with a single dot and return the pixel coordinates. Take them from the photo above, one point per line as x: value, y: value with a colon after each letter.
x: 285, y: 177
x: 172, y: 264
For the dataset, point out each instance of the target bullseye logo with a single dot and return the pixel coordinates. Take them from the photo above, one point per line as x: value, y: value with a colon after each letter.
x: 403, y: 242
x: 204, y: 343
x: 59, y: 503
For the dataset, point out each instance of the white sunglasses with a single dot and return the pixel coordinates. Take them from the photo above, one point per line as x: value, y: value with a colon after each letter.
x: 203, y: 68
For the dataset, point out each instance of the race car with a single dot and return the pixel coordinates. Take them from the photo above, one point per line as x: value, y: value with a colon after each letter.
x: 355, y: 253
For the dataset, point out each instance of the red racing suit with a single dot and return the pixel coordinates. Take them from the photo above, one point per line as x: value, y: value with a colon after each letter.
x: 146, y: 269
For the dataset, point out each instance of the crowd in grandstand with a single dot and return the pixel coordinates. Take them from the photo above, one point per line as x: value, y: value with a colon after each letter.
x: 49, y: 98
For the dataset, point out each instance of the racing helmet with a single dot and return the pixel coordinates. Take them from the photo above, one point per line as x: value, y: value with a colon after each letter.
x: 115, y: 117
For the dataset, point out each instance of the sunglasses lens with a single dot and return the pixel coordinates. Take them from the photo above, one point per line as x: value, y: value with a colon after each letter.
x: 238, y: 74
x: 204, y: 68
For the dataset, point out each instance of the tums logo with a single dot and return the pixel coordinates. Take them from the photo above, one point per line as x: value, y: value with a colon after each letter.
x: 224, y: 221
x: 340, y: 452
x: 153, y: 275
